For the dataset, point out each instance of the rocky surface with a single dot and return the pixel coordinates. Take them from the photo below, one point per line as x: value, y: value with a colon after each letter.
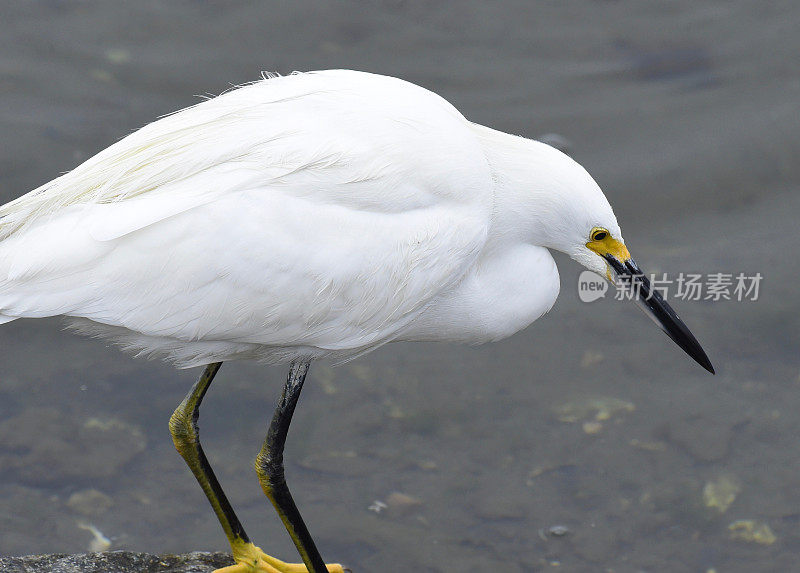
x: 115, y: 562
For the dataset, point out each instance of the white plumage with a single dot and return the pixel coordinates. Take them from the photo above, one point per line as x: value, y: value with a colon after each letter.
x: 313, y: 215
x: 317, y: 214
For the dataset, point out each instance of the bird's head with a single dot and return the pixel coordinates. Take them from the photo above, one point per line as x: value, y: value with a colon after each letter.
x: 578, y: 220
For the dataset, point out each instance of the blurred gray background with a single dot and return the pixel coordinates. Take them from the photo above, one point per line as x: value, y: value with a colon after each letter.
x: 588, y: 442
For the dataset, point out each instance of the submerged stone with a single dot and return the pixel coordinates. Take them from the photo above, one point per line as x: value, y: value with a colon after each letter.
x: 752, y: 531
x: 721, y: 492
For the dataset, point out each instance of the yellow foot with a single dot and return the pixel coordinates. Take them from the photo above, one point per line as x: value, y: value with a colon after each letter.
x: 251, y: 559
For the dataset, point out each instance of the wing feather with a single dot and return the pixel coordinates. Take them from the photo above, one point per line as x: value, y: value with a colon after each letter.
x: 319, y: 211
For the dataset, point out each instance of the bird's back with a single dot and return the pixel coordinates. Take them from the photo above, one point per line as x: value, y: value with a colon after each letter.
x: 313, y: 214
x: 263, y: 132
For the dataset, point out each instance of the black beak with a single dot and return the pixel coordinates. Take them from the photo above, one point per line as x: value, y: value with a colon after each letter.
x: 653, y: 304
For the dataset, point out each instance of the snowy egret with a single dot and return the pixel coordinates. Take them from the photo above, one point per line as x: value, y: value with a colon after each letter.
x: 314, y: 215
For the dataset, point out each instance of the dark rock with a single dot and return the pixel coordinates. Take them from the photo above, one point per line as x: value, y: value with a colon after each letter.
x: 706, y: 439
x: 595, y: 544
x: 115, y: 562
x: 43, y: 445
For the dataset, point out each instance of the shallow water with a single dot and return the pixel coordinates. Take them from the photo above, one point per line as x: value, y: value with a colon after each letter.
x: 590, y: 421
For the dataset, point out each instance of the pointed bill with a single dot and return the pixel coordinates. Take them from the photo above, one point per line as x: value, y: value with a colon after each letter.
x: 654, y: 305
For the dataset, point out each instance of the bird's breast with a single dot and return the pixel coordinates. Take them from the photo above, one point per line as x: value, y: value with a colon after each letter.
x: 504, y: 292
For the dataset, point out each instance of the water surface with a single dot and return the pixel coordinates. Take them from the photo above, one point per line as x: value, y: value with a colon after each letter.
x: 590, y: 421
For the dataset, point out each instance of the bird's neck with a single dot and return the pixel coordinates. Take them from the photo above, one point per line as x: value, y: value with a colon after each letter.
x: 532, y: 183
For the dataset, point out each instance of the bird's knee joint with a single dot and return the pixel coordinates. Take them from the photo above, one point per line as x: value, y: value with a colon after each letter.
x: 270, y: 469
x: 182, y: 430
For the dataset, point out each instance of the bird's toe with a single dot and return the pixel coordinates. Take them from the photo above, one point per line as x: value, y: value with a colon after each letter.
x: 252, y: 559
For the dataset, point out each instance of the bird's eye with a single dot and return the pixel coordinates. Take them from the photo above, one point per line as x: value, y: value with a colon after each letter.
x: 599, y: 234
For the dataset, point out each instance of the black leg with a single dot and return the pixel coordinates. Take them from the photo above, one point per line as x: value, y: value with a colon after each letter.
x: 269, y: 466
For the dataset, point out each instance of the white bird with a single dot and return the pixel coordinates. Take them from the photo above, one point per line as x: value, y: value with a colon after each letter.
x: 316, y: 215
